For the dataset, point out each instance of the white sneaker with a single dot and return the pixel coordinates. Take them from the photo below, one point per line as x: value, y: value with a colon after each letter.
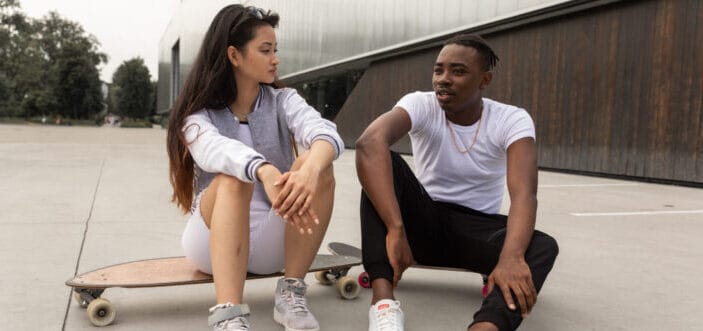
x: 386, y: 315
x: 291, y: 308
x: 229, y: 317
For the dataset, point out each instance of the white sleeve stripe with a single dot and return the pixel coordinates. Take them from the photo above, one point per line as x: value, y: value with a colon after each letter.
x: 252, y: 166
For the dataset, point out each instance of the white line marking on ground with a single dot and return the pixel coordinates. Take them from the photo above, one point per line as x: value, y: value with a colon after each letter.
x: 585, y: 185
x: 636, y: 213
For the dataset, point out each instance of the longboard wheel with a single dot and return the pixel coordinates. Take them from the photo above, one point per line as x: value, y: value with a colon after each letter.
x: 101, y: 312
x: 321, y: 277
x: 348, y: 287
x: 364, y: 280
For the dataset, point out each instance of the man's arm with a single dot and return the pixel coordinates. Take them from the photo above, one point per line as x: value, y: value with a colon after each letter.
x: 374, y: 168
x: 512, y: 272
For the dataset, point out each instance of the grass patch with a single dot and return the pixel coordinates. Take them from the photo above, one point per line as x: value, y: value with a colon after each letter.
x: 13, y: 120
x: 47, y: 121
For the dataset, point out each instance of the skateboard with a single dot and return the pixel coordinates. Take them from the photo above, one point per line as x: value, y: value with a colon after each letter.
x: 171, y: 271
x: 342, y: 249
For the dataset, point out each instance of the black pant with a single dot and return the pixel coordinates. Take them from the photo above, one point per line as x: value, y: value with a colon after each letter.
x: 450, y: 235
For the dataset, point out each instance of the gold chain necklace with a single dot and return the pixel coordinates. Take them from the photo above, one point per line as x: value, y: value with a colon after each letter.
x: 473, y: 142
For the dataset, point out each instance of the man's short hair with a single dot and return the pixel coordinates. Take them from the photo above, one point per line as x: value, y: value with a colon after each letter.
x: 488, y: 57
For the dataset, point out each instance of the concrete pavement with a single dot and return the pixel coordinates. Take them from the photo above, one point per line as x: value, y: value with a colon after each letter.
x: 76, y: 199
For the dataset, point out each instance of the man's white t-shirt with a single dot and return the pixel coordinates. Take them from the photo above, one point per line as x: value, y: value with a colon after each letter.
x: 475, y: 179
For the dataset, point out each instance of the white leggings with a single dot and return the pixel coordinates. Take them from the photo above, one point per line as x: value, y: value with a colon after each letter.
x: 266, y: 241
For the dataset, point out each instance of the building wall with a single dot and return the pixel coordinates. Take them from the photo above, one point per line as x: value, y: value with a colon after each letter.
x: 315, y: 33
x: 615, y: 89
x: 614, y: 86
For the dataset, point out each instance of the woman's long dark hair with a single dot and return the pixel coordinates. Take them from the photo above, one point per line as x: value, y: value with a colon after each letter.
x: 210, y: 84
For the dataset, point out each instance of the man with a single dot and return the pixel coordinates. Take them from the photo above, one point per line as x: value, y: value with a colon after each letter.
x: 464, y: 148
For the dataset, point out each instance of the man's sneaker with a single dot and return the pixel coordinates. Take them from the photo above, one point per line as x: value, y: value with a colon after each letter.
x: 386, y: 315
x: 229, y: 317
x: 291, y: 308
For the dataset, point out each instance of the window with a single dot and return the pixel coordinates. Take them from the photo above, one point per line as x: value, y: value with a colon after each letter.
x: 175, y: 71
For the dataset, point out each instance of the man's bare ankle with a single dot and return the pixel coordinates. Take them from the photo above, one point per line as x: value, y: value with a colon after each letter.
x: 382, y: 289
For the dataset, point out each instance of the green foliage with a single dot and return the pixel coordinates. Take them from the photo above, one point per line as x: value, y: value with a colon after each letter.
x: 136, y: 124
x: 5, y: 87
x: 48, y: 66
x: 9, y: 4
x: 78, y: 91
x: 133, y: 89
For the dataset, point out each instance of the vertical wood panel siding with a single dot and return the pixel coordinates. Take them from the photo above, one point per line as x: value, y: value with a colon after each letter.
x: 617, y: 90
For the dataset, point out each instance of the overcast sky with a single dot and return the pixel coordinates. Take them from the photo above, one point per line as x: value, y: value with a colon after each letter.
x: 125, y: 28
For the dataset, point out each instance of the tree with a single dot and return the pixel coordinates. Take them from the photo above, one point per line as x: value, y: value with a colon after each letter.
x: 9, y: 4
x: 47, y: 66
x: 74, y: 57
x: 78, y: 92
x: 4, y: 94
x: 20, y: 56
x: 133, y: 89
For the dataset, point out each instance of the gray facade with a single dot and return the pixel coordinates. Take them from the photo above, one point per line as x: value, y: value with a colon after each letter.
x: 314, y: 34
x: 614, y: 86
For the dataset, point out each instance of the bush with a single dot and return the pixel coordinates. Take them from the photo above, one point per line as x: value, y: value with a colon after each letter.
x: 12, y: 120
x: 135, y: 124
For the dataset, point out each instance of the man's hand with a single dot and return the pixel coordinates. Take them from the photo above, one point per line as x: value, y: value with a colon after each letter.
x: 399, y: 253
x: 513, y: 275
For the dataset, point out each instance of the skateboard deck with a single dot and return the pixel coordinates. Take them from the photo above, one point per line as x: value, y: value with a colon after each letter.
x: 343, y: 249
x: 172, y: 271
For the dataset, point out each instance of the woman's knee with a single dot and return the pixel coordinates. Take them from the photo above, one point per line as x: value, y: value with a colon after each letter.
x: 225, y: 183
x: 236, y: 192
x: 326, y: 179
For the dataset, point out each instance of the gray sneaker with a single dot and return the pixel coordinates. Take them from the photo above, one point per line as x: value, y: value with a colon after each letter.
x: 291, y: 308
x: 229, y: 317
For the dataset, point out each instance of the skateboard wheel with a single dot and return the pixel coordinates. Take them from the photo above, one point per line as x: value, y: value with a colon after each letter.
x: 348, y: 287
x: 101, y: 312
x: 364, y: 280
x: 321, y: 277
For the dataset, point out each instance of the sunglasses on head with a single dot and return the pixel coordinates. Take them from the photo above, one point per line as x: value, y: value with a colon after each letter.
x: 256, y: 12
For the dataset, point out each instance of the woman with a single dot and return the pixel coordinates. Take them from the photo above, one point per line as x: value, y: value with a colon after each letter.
x: 232, y: 166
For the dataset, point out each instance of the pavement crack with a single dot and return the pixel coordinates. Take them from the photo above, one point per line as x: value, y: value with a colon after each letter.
x: 85, y: 233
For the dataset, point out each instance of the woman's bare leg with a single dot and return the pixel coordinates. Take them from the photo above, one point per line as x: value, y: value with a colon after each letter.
x: 301, y: 249
x: 225, y: 209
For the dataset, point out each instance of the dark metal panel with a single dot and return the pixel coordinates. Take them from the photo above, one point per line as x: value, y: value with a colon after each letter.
x: 613, y: 90
x: 696, y: 98
x: 611, y: 87
x: 686, y: 60
x: 378, y: 91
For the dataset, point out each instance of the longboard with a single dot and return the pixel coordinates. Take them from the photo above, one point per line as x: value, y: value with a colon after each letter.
x: 88, y: 287
x: 342, y: 249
